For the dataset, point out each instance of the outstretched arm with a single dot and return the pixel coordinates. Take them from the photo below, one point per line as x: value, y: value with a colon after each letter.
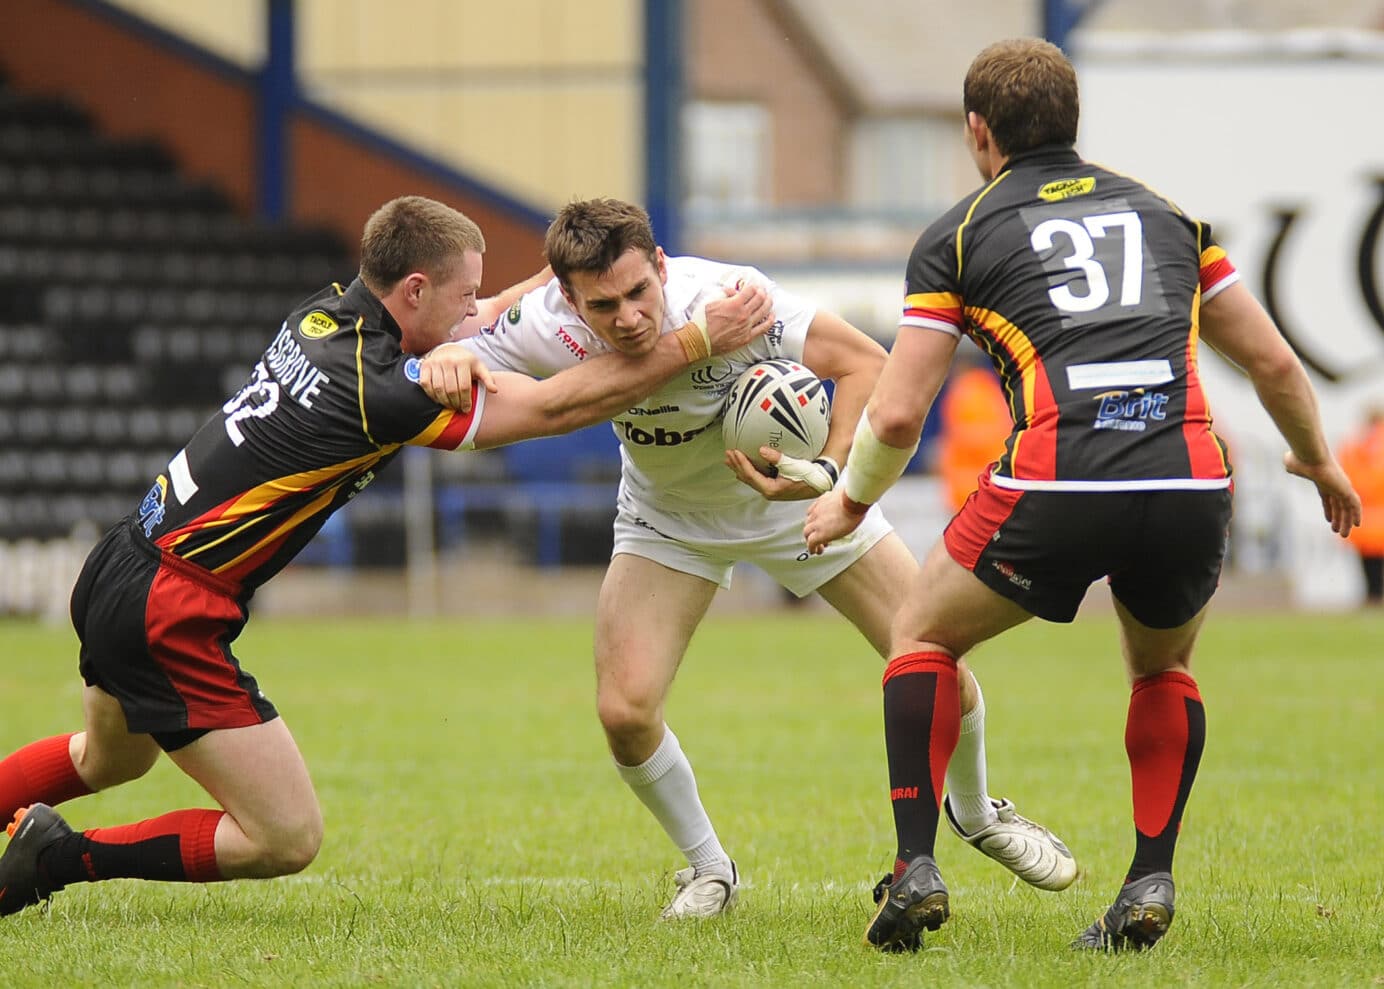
x: 1236, y: 325
x: 597, y: 389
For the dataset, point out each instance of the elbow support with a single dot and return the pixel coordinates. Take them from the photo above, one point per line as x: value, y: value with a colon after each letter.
x: 873, y: 466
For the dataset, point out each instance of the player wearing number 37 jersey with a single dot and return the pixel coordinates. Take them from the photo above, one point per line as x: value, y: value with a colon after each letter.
x: 1090, y: 294
x: 337, y: 394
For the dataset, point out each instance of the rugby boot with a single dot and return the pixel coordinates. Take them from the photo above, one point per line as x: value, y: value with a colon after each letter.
x: 1029, y: 850
x: 1140, y: 915
x: 708, y: 894
x: 22, y: 882
x: 914, y: 902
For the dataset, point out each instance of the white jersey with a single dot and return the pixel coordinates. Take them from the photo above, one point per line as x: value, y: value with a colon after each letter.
x: 671, y: 451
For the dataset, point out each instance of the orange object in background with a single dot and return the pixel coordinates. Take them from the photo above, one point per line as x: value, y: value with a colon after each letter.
x: 1362, y: 458
x: 975, y: 421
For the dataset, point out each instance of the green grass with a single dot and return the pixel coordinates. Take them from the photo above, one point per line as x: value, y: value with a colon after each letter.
x: 477, y: 834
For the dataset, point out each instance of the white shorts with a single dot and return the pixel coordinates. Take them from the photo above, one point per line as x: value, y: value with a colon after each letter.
x: 768, y: 534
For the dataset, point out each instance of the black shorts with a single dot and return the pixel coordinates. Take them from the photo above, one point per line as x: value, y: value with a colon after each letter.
x: 156, y: 634
x: 1161, y: 550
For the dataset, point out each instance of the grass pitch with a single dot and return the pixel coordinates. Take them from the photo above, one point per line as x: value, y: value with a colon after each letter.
x: 477, y: 834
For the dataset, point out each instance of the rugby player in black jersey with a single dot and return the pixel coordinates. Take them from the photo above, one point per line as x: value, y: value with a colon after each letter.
x: 1089, y: 293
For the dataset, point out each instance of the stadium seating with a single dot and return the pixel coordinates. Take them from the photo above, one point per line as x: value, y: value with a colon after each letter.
x: 131, y: 300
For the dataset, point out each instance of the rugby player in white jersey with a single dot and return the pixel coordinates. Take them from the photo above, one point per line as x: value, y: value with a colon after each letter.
x: 688, y: 510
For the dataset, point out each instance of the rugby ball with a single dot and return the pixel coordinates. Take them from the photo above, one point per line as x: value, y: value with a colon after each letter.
x: 779, y: 404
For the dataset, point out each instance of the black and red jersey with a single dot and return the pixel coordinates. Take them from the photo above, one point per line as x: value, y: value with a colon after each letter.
x: 1084, y: 288
x: 331, y: 401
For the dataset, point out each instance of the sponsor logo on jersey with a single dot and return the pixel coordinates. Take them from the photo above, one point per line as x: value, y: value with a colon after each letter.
x: 904, y: 793
x: 317, y: 324
x: 1129, y: 411
x: 413, y: 369
x: 636, y: 411
x: 658, y: 436
x: 570, y: 342
x: 151, y: 509
x: 513, y: 314
x: 775, y: 333
x: 1066, y: 189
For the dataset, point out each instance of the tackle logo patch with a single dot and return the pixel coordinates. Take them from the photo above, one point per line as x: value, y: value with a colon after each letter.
x: 1066, y: 189
x: 316, y: 325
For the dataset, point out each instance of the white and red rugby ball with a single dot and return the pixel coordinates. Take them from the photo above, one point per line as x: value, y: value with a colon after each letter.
x: 779, y: 404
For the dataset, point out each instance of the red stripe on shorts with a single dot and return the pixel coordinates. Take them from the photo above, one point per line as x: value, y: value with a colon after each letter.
x: 186, y: 622
x: 972, y: 528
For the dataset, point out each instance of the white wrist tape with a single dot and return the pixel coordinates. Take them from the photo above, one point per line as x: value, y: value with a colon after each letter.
x: 873, y: 467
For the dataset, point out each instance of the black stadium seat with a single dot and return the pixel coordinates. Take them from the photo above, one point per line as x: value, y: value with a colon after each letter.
x: 131, y: 298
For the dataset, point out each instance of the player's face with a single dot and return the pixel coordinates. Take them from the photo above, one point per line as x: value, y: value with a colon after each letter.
x: 623, y: 306
x: 442, y: 305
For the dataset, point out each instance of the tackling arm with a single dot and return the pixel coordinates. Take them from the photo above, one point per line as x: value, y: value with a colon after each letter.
x: 597, y: 389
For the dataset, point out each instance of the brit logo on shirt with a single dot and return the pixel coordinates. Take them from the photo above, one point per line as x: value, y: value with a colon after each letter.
x: 151, y: 510
x: 1130, y: 411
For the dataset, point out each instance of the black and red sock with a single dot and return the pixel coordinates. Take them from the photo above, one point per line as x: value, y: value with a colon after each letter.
x: 176, y: 847
x: 922, y: 721
x: 1164, y: 737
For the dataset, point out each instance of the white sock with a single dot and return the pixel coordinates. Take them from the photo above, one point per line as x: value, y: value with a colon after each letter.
x: 665, y: 785
x: 966, y: 773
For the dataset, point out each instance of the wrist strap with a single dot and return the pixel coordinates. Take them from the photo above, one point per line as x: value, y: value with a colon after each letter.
x: 832, y: 468
x: 695, y: 341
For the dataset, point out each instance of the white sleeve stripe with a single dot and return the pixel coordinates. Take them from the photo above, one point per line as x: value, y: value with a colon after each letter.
x: 1220, y: 286
x: 923, y: 323
x: 468, y: 442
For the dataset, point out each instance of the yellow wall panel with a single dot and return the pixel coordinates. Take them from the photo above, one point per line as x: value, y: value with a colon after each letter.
x: 233, y: 29
x: 601, y: 130
x: 596, y: 33
x: 540, y: 98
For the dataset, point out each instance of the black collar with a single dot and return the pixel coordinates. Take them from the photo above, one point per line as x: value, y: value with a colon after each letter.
x: 1048, y: 154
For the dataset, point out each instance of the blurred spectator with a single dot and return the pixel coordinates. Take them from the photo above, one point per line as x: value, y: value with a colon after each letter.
x: 1362, y: 457
x: 975, y: 421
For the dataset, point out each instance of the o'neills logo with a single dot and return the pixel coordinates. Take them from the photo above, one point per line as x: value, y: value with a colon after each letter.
x: 1066, y: 189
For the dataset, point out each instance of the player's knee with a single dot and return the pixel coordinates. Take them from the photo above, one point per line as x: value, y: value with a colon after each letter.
x: 292, y: 850
x: 624, y: 714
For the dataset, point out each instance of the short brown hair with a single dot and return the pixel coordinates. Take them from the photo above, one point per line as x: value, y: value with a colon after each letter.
x: 592, y: 234
x: 414, y: 233
x: 1026, y: 90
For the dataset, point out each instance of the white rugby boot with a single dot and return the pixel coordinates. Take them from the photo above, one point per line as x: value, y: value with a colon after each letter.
x: 707, y: 895
x: 1029, y: 850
